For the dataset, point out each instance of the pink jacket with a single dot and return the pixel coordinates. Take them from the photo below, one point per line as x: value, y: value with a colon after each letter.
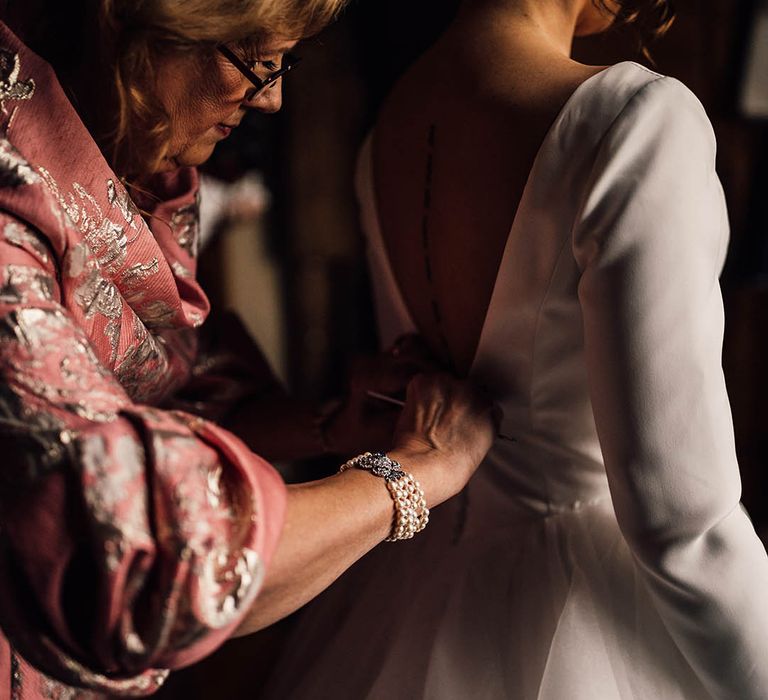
x: 132, y: 539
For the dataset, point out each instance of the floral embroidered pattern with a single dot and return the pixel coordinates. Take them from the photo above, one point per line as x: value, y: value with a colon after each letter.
x: 228, y: 584
x: 185, y: 224
x: 107, y: 240
x: 158, y: 315
x: 95, y: 293
x: 144, y: 370
x: 95, y: 328
x: 14, y: 169
x: 119, y: 198
x: 136, y: 274
x: 108, y: 472
x: 52, y: 690
x: 26, y: 239
x: 20, y: 284
x: 144, y: 684
x: 228, y: 578
x: 17, y: 678
x: 11, y: 88
x: 54, y: 364
x: 102, y: 256
x: 180, y: 271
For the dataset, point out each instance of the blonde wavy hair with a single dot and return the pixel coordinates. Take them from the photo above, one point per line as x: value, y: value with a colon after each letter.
x: 135, y: 32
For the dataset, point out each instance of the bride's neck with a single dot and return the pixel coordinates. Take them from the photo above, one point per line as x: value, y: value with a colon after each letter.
x: 546, y: 26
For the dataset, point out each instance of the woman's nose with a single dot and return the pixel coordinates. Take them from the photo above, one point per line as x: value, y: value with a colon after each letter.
x: 269, y: 100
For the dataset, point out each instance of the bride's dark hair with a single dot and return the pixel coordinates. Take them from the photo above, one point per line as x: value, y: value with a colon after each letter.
x: 651, y: 18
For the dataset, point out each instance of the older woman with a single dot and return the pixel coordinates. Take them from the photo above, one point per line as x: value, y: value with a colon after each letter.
x: 135, y: 539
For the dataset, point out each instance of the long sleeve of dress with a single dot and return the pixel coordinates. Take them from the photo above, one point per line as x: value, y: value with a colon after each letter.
x: 650, y: 242
x: 131, y: 538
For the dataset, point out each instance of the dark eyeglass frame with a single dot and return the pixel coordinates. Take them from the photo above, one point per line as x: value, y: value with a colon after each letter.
x: 289, y: 63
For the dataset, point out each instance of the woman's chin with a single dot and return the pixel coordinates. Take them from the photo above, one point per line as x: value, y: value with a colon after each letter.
x: 193, y: 155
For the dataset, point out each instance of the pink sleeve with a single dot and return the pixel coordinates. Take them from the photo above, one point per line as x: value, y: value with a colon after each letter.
x: 131, y: 539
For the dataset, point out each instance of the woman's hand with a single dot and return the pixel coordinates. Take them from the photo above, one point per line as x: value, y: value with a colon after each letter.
x: 361, y: 422
x: 441, y: 437
x: 444, y: 432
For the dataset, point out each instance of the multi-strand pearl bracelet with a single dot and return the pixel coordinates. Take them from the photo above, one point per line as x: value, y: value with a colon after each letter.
x: 411, y: 512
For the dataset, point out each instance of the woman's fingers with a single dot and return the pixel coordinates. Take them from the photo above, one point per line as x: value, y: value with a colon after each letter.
x: 448, y: 414
x: 446, y: 428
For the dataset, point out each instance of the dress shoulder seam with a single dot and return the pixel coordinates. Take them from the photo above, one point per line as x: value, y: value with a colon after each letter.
x: 601, y: 143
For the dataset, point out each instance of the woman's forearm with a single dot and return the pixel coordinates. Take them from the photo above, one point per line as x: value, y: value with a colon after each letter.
x: 329, y: 525
x: 445, y: 431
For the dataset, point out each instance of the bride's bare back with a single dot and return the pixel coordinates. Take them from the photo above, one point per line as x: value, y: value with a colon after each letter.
x: 452, y: 151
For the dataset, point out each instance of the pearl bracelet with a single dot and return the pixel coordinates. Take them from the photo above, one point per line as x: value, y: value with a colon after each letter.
x: 411, y: 513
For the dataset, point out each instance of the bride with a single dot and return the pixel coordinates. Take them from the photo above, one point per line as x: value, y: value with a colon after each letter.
x: 555, y: 231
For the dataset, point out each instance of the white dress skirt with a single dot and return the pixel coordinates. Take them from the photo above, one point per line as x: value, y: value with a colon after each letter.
x: 604, y: 555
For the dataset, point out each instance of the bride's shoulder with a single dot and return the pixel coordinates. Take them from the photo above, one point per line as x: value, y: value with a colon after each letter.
x: 630, y: 108
x: 628, y: 95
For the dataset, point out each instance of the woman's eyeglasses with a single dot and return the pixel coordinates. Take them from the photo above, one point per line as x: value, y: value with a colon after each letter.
x: 259, y: 84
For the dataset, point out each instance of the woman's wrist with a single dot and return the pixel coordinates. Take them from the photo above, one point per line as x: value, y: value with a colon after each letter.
x: 378, y: 503
x: 438, y: 473
x: 410, y: 512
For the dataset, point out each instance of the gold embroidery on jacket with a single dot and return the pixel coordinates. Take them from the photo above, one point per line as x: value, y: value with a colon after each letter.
x: 11, y: 88
x: 118, y: 197
x: 14, y: 169
x: 144, y: 369
x: 106, y: 239
x: 21, y: 284
x: 108, y: 473
x: 25, y: 238
x: 185, y: 224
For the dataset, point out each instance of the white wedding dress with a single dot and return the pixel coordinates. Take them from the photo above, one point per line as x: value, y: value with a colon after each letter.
x: 604, y: 555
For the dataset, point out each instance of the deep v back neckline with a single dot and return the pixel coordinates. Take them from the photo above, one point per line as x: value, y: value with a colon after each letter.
x: 367, y: 154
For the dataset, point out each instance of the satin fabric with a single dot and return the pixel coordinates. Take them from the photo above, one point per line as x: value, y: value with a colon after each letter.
x: 604, y: 554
